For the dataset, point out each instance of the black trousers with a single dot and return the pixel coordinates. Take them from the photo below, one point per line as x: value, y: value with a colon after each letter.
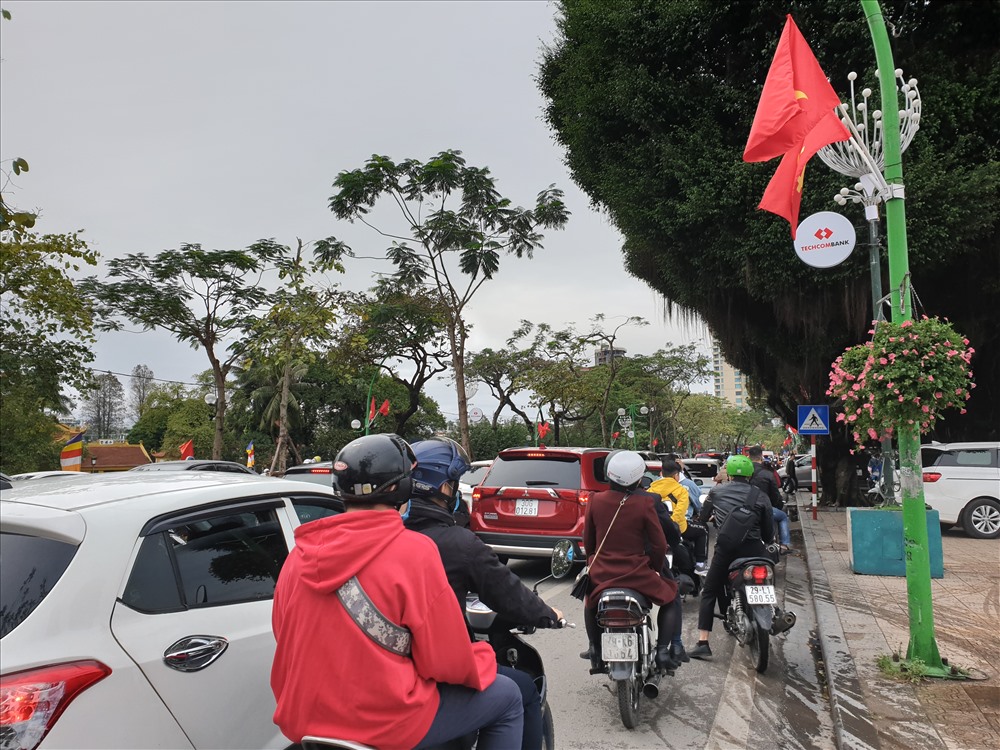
x: 697, y: 533
x: 714, y: 587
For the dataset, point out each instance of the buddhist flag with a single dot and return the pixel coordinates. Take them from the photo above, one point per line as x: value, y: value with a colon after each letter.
x: 795, y: 119
x: 72, y: 453
x: 250, y: 456
x: 187, y: 450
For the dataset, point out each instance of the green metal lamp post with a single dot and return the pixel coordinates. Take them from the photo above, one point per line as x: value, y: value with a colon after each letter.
x: 923, y: 644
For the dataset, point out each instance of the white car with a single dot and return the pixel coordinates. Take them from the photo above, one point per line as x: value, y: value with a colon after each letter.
x: 962, y: 483
x: 471, y: 479
x: 54, y: 474
x: 135, y: 609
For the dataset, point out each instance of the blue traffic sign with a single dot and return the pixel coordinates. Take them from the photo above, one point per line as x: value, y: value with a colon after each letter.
x: 814, y: 419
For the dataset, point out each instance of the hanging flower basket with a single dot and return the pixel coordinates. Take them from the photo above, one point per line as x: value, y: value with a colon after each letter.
x: 906, y: 374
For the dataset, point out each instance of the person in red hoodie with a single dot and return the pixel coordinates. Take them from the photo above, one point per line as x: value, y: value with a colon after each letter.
x: 411, y: 678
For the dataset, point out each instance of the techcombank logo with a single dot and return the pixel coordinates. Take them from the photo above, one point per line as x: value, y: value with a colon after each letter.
x: 824, y: 239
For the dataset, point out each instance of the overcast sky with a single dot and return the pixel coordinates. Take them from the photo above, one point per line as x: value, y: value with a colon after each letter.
x: 148, y: 125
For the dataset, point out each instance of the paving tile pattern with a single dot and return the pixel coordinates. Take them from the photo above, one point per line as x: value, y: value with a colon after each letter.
x: 873, y: 620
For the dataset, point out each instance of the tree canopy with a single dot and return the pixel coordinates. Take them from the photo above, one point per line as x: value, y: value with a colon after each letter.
x: 458, y: 224
x: 653, y: 101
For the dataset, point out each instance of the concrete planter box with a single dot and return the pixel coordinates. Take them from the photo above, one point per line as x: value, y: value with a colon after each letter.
x: 875, y: 542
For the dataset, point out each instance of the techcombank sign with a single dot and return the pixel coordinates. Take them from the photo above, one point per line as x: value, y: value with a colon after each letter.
x: 824, y: 239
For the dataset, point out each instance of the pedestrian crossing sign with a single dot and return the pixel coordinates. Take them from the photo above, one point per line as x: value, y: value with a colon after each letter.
x: 814, y: 419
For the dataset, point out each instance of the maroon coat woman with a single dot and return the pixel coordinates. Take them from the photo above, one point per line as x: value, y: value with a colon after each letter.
x: 628, y: 551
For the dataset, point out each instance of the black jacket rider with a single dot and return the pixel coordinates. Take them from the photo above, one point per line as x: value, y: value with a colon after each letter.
x: 724, y: 498
x: 472, y: 566
x: 763, y: 479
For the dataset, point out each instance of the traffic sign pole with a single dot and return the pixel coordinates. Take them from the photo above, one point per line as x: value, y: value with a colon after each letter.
x: 812, y: 453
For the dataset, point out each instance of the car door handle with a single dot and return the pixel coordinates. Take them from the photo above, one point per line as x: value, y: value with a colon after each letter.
x: 195, y: 652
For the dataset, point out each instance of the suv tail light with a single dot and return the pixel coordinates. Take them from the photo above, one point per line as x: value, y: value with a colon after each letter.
x: 32, y: 700
x: 476, y: 494
x: 932, y: 476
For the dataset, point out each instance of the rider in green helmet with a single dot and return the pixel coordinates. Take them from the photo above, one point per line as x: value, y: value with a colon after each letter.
x: 721, y: 501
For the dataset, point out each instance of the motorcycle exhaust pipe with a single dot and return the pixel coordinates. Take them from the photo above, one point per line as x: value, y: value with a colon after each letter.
x: 783, y: 622
x: 651, y: 688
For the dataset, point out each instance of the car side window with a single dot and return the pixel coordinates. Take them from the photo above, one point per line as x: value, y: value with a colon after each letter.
x: 224, y: 559
x: 973, y: 457
x: 313, y: 508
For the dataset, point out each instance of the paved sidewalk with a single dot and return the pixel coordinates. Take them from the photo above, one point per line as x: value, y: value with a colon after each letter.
x: 861, y: 617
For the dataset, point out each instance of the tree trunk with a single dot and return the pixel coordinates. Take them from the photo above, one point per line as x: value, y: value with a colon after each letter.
x: 457, y: 336
x: 220, y: 404
x: 280, y: 462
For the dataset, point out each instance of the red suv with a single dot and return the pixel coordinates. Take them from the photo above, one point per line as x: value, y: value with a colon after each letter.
x: 533, y: 497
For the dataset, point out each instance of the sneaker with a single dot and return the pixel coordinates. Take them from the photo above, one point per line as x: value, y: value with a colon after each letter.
x: 701, y: 651
x: 700, y: 569
x: 677, y: 653
x: 786, y: 550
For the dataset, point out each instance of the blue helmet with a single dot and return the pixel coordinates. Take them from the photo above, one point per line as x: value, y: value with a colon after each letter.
x: 439, y: 460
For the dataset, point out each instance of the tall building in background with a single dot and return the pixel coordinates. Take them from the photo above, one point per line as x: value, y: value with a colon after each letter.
x: 606, y: 354
x: 729, y: 382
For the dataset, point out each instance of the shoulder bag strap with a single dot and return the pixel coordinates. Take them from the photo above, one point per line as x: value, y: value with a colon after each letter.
x: 606, y: 533
x: 373, y: 623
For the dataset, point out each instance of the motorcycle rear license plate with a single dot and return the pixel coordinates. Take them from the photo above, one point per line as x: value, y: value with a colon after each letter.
x: 525, y: 507
x: 761, y: 595
x: 619, y: 646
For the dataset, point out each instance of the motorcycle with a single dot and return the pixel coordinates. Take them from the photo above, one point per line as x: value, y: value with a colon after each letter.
x: 511, y: 651
x: 753, y: 615
x: 628, y: 643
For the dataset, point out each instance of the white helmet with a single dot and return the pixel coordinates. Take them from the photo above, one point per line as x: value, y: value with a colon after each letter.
x: 625, y: 468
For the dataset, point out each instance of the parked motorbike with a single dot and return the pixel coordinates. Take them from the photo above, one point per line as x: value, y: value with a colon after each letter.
x: 753, y: 615
x: 628, y: 642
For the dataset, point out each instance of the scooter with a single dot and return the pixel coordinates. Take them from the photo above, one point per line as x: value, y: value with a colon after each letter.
x: 628, y: 642
x: 753, y: 615
x: 511, y: 651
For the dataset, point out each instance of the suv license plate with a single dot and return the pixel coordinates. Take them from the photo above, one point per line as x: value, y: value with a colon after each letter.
x: 619, y: 646
x: 525, y: 507
x: 761, y: 595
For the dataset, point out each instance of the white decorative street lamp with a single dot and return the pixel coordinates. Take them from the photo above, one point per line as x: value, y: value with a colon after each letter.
x: 866, y: 165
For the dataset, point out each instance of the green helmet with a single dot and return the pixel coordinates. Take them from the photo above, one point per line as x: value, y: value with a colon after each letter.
x: 739, y: 466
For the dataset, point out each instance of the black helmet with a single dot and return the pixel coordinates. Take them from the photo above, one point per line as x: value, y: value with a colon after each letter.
x: 374, y: 469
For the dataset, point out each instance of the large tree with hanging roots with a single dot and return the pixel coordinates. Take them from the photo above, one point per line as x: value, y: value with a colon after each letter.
x: 653, y: 101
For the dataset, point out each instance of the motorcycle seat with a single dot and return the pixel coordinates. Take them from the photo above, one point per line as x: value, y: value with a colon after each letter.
x: 741, y: 562
x: 622, y: 593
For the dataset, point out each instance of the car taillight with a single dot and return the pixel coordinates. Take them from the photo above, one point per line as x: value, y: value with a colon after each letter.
x: 932, y: 476
x: 583, y: 496
x: 757, y: 573
x: 476, y: 494
x: 319, y: 471
x: 31, y: 701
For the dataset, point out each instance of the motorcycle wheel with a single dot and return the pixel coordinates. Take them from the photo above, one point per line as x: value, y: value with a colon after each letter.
x: 548, y: 728
x: 760, y: 646
x: 628, y: 701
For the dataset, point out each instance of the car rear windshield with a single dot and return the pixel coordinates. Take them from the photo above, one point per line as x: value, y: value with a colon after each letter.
x: 29, y: 567
x: 315, y: 476
x: 963, y: 457
x: 703, y: 470
x: 559, y: 472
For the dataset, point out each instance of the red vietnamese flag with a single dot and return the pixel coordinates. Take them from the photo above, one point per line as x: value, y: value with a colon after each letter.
x: 795, y: 118
x: 187, y: 450
x: 371, y: 411
x: 384, y: 408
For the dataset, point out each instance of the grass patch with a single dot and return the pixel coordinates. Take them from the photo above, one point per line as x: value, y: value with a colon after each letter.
x: 903, y: 670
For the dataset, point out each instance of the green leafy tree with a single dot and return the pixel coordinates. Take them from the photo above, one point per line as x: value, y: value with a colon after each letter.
x: 454, y: 227
x: 200, y: 296
x: 653, y: 101
x: 506, y: 373
x: 288, y: 335
x: 566, y: 380
x: 402, y: 329
x: 160, y: 401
